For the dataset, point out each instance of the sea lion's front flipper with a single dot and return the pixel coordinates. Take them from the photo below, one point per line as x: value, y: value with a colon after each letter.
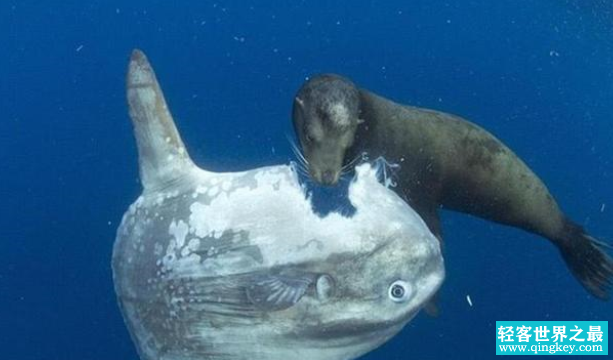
x: 276, y: 292
x: 161, y: 154
x: 432, y: 308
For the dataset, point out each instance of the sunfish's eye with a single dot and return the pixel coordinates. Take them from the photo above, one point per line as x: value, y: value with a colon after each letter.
x: 400, y: 291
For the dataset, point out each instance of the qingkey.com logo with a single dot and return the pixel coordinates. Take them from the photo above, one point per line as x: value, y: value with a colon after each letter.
x: 552, y: 337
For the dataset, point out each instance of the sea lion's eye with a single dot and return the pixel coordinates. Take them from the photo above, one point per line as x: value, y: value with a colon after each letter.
x: 400, y: 291
x: 323, y: 116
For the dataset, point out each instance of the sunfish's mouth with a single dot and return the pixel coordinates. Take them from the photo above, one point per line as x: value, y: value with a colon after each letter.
x: 350, y: 330
x: 347, y: 333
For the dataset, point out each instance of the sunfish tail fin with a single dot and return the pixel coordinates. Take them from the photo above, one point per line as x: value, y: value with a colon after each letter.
x: 588, y: 260
x: 162, y: 156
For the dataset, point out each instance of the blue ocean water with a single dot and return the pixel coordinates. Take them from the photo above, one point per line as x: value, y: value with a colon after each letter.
x: 538, y: 74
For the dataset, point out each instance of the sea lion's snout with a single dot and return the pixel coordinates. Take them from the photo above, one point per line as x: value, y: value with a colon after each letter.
x: 329, y: 177
x: 326, y: 177
x: 325, y: 161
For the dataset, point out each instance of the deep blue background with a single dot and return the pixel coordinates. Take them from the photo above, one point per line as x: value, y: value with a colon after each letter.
x: 538, y: 74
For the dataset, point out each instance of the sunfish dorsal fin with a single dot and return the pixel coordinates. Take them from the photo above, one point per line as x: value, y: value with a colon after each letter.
x: 162, y: 156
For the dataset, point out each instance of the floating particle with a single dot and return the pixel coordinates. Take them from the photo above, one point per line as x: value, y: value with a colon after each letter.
x: 470, y: 302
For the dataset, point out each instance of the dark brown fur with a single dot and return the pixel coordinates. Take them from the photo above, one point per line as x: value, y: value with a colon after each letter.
x: 448, y: 162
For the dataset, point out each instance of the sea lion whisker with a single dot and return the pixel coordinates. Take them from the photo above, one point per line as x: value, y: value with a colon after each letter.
x: 297, y: 152
x: 298, y: 157
x: 304, y: 172
x: 301, y: 168
x: 352, y: 163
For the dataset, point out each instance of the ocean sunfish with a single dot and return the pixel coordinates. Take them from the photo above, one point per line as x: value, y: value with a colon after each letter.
x: 238, y: 266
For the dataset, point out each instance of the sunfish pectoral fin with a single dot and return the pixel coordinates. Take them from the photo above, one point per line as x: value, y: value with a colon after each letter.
x: 161, y: 152
x: 277, y: 292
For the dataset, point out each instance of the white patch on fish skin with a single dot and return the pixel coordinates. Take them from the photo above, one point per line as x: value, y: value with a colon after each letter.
x: 194, y: 244
x: 213, y: 191
x: 284, y: 207
x: 179, y: 231
x: 206, y: 220
x: 212, y: 251
x: 139, y: 202
x: 158, y: 249
x: 185, y: 252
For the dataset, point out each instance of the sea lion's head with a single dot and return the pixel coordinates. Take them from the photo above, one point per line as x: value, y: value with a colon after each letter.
x: 326, y: 116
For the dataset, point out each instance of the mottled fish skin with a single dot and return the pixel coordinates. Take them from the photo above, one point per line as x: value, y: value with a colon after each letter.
x: 238, y: 266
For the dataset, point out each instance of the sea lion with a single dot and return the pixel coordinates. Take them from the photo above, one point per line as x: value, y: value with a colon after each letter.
x: 238, y: 266
x: 444, y: 161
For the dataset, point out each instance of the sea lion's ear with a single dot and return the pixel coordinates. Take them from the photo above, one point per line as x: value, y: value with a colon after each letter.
x: 299, y: 101
x: 278, y: 292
